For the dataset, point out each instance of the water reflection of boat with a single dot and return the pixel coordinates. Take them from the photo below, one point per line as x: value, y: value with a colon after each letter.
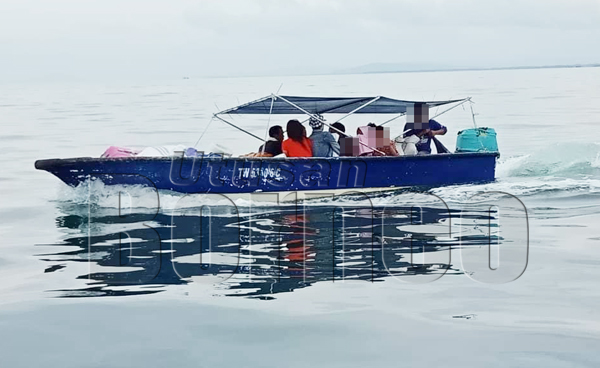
x: 258, y: 255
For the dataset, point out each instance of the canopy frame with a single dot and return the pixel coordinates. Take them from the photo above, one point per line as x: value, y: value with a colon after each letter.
x: 316, y: 115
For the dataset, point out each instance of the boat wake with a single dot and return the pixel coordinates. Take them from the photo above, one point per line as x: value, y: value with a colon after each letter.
x: 564, y: 159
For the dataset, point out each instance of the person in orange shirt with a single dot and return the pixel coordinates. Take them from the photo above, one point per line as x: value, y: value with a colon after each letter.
x: 298, y: 144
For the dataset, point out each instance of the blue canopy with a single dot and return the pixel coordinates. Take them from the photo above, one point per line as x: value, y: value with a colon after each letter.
x: 328, y: 105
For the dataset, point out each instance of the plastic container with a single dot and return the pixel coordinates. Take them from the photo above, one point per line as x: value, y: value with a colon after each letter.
x: 477, y: 140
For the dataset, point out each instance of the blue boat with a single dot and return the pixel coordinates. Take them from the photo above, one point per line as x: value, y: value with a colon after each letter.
x: 236, y: 175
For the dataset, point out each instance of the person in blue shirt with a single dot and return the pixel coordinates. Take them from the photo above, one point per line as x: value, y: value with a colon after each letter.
x: 424, y: 145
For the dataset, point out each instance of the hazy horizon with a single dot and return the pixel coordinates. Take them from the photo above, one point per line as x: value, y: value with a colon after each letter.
x: 69, y: 39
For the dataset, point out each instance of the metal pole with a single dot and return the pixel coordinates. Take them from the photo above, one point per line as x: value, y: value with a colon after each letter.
x: 473, y: 114
x: 238, y: 128
x: 359, y: 108
x: 262, y: 149
x: 351, y: 112
x: 392, y: 119
x: 455, y: 106
x: 202, y: 135
x: 443, y: 112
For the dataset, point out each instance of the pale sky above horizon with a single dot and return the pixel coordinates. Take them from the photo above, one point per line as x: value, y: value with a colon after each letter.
x: 49, y: 39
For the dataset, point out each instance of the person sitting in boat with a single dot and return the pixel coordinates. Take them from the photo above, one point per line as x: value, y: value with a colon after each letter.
x: 338, y: 130
x: 323, y: 143
x: 272, y: 146
x: 424, y: 146
x: 366, y: 142
x: 297, y: 144
x: 384, y: 143
x: 375, y: 141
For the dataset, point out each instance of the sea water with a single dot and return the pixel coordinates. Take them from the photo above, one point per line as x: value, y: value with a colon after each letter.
x: 122, y: 276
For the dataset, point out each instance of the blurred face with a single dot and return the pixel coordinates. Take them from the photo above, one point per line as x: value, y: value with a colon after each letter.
x: 371, y: 136
x: 382, y: 137
x: 378, y: 138
x: 417, y: 116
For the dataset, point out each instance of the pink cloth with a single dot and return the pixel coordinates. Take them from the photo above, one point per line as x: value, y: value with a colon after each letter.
x: 113, y: 151
x: 368, y: 138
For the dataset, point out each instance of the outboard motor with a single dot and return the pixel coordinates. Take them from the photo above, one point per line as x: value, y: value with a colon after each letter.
x: 477, y: 140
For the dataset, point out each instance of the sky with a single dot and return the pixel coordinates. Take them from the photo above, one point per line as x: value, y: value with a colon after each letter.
x: 55, y: 39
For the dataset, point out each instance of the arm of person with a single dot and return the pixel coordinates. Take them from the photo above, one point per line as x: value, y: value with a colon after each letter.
x: 262, y: 154
x: 438, y: 132
x: 436, y: 128
x: 393, y: 149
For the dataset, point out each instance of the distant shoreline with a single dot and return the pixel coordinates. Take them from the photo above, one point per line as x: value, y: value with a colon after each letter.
x: 472, y: 69
x: 357, y: 70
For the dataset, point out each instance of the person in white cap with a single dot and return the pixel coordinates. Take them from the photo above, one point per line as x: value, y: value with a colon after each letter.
x: 323, y: 143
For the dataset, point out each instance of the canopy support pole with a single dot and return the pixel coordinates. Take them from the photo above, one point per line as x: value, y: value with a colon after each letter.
x: 238, y: 128
x: 441, y: 113
x: 359, y: 108
x: 351, y: 112
x: 262, y: 148
x: 204, y: 132
x: 468, y: 99
x: 472, y: 113
x: 392, y: 119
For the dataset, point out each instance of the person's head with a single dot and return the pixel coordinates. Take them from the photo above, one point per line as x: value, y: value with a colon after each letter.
x: 296, y: 130
x: 382, y: 135
x: 379, y: 132
x: 341, y: 129
x: 372, y: 125
x: 316, y: 122
x: 276, y: 131
x: 417, y: 116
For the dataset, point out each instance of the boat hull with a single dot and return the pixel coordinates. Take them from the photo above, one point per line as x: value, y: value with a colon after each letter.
x: 249, y: 175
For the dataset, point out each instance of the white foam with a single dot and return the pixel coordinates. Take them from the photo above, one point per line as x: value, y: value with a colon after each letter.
x: 564, y: 159
x: 521, y: 188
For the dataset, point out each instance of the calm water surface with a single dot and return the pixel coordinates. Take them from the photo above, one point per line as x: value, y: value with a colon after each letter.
x: 163, y: 279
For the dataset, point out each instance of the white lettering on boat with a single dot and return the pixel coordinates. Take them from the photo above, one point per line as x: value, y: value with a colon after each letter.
x: 266, y: 173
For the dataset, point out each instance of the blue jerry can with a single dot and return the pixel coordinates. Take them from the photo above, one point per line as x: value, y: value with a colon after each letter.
x: 477, y: 140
